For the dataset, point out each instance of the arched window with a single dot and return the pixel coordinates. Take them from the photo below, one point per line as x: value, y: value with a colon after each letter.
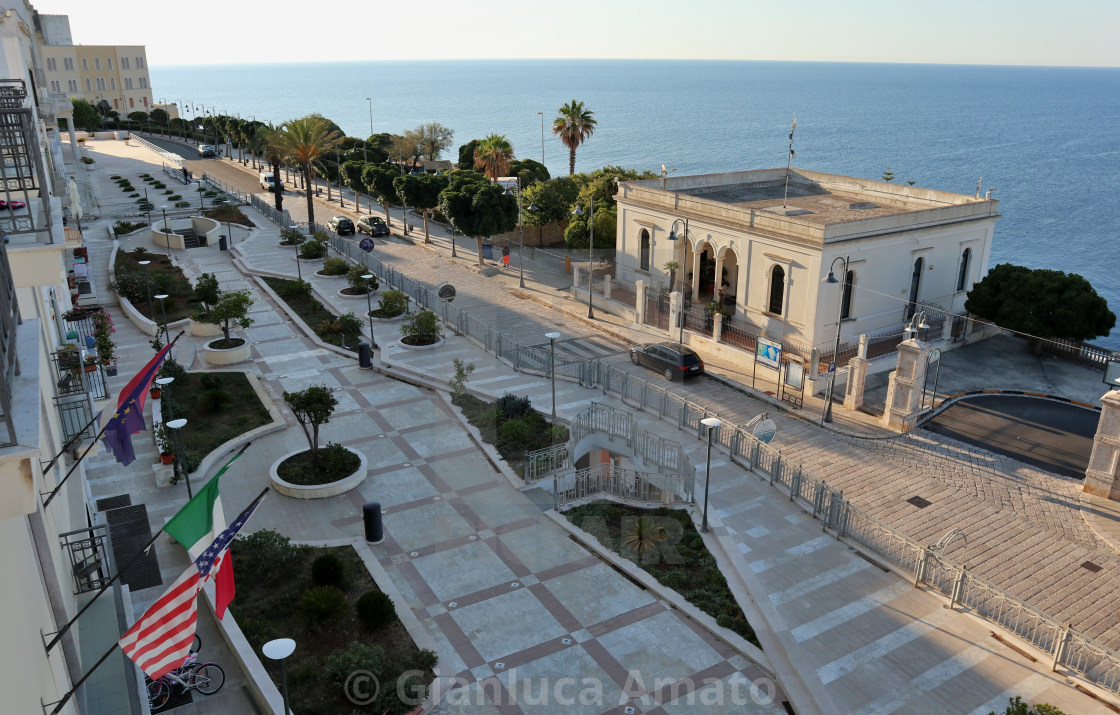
x: 966, y: 259
x: 915, y: 282
x: 846, y: 296
x: 85, y: 64
x: 89, y: 85
x: 777, y: 290
x: 645, y: 249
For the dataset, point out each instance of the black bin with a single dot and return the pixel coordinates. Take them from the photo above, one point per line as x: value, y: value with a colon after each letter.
x: 371, y: 515
x: 223, y: 244
x: 364, y: 360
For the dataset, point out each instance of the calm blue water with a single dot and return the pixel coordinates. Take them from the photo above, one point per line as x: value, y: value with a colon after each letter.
x: 1048, y: 139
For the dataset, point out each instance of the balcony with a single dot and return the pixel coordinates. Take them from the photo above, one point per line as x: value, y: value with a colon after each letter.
x: 21, y: 165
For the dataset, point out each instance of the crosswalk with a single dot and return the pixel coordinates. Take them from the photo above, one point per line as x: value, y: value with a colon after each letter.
x: 586, y: 347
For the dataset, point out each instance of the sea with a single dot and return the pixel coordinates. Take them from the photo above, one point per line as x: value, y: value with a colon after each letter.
x: 1045, y: 140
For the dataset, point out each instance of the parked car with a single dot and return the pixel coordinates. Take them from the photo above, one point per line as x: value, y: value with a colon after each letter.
x: 674, y: 363
x: 206, y: 150
x: 342, y: 225
x: 13, y: 204
x: 373, y: 225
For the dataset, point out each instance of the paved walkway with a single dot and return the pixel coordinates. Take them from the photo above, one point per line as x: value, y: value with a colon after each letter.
x: 842, y: 635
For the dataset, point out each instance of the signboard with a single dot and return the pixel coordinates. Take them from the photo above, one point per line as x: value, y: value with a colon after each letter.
x: 447, y: 292
x: 795, y: 375
x: 366, y: 245
x: 769, y: 353
x: 765, y: 431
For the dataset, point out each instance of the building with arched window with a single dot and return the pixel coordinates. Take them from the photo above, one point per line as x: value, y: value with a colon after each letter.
x: 760, y: 250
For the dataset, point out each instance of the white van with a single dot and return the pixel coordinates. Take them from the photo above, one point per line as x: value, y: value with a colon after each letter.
x: 267, y: 180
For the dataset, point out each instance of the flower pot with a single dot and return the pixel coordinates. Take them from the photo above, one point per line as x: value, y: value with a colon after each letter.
x: 90, y: 368
x: 155, y: 392
x: 166, y: 457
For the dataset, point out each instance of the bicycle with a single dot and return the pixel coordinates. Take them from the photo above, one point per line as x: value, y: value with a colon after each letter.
x: 206, y: 678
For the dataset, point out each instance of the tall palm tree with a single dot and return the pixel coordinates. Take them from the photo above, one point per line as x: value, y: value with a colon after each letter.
x: 302, y: 141
x: 574, y: 125
x: 272, y: 152
x: 493, y: 155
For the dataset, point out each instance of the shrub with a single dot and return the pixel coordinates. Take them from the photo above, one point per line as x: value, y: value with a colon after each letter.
x: 114, y: 177
x: 312, y: 249
x: 291, y: 237
x: 393, y: 303
x: 133, y: 195
x: 160, y: 185
x: 357, y: 656
x: 350, y: 325
x: 336, y: 266
x: 172, y: 368
x: 122, y: 227
x: 424, y: 324
x: 375, y: 610
x: 87, y: 160
x: 513, y: 406
x: 676, y: 580
x: 358, y: 283
x: 557, y: 434
x: 329, y: 570
x: 322, y: 604
x: 182, y: 204
x: 513, y: 434
x: 262, y: 555
x: 174, y: 197
x: 321, y: 236
x: 293, y: 290
x: 213, y: 399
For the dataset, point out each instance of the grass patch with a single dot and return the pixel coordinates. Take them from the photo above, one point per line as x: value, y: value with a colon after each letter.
x: 278, y: 597
x: 165, y: 279
x: 218, y: 406
x: 678, y: 559
x: 311, y: 311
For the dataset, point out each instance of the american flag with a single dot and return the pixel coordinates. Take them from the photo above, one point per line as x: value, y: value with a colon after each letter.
x: 160, y: 640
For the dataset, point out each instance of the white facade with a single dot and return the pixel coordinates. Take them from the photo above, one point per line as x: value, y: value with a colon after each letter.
x: 908, y: 248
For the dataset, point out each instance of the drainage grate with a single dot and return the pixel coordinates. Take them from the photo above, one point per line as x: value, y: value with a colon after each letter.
x: 919, y: 502
x: 1091, y: 567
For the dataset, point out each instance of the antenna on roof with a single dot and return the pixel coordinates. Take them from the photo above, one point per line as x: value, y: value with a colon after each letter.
x: 789, y: 162
x: 979, y: 181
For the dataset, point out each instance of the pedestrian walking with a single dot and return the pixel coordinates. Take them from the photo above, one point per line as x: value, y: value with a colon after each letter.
x: 505, y: 256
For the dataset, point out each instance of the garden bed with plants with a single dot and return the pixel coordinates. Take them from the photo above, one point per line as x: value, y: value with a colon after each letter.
x: 133, y: 281
x: 229, y: 213
x: 643, y: 536
x: 511, y: 425
x: 325, y: 599
x: 334, y: 463
x: 218, y: 406
x: 340, y: 330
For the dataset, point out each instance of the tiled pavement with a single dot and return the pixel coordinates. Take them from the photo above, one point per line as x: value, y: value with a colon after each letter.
x: 857, y: 638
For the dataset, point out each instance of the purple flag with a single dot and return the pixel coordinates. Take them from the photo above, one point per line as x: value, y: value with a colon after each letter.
x: 128, y: 418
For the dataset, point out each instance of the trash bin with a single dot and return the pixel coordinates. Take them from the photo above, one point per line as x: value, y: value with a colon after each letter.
x: 223, y: 245
x: 488, y: 251
x: 371, y: 515
x: 364, y: 360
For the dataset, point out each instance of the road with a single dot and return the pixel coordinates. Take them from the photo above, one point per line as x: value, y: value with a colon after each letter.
x: 1055, y: 436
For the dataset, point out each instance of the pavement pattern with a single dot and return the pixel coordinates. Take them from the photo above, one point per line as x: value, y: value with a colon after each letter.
x: 841, y: 634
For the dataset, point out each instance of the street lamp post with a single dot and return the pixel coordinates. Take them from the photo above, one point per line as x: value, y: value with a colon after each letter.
x: 163, y: 309
x: 712, y: 423
x: 166, y: 241
x: 826, y: 416
x: 365, y: 153
x: 673, y: 236
x: 280, y: 649
x: 590, y: 256
x: 369, y: 310
x: 177, y: 425
x: 520, y: 234
x: 201, y: 200
x: 552, y: 368
x: 542, y: 136
x: 453, y: 232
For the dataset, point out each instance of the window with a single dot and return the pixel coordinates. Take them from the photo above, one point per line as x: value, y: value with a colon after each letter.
x: 139, y: 63
x: 915, y: 283
x: 109, y: 63
x: 112, y: 83
x: 128, y: 83
x: 56, y: 86
x: 143, y: 83
x: 131, y: 103
x: 72, y: 84
x: 124, y: 63
x: 966, y: 259
x: 52, y: 65
x: 85, y: 65
x: 645, y: 250
x: 68, y: 63
x: 89, y: 85
x: 846, y: 296
x: 116, y: 105
x: 100, y: 84
x: 145, y: 99
x: 97, y: 63
x: 777, y: 290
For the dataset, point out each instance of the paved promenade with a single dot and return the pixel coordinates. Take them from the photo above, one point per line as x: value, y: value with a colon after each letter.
x: 497, y: 587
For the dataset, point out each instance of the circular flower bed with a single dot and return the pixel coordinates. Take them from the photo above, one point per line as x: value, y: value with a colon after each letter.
x: 339, y: 470
x: 226, y: 352
x: 420, y: 341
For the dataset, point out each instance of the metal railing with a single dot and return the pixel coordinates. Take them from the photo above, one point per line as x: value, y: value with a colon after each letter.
x: 622, y: 483
x: 173, y: 158
x: 1094, y: 661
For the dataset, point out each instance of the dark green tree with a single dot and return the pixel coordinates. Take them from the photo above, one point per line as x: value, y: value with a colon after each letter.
x: 434, y: 139
x: 1018, y: 707
x: 554, y: 201
x: 159, y: 116
x: 421, y: 193
x: 138, y: 116
x: 352, y: 177
x: 86, y: 115
x: 378, y: 180
x: 477, y: 208
x: 1042, y: 303
x: 528, y: 171
x: 466, y: 154
x: 312, y: 407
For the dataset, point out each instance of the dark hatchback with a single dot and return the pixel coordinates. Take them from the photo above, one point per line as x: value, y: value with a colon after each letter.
x: 672, y: 362
x: 342, y: 225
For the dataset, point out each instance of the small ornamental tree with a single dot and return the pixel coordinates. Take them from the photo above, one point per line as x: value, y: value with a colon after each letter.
x: 312, y: 407
x: 207, y: 292
x: 232, y: 307
x: 424, y: 327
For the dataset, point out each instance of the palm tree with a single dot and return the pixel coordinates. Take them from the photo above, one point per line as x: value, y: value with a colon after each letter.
x: 574, y: 125
x: 493, y: 155
x: 268, y: 137
x: 302, y: 141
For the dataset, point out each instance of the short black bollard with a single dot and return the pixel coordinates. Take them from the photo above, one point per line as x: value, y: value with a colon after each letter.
x: 371, y: 514
x: 223, y: 245
x: 364, y: 361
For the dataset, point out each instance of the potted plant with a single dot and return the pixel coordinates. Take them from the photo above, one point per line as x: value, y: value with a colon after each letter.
x: 166, y: 444
x: 232, y: 308
x: 102, y: 343
x: 316, y: 471
x: 208, y: 293
x: 423, y: 329
x: 90, y: 363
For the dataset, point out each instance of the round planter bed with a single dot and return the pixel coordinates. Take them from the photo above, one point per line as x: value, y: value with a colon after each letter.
x: 329, y: 275
x: 343, y: 294
x: 432, y: 346
x: 373, y: 314
x: 317, y: 491
x: 226, y: 355
x: 288, y: 245
x: 205, y: 330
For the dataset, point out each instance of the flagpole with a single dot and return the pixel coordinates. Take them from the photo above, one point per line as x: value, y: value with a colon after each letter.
x: 88, y: 448
x: 71, y: 441
x: 62, y: 631
x: 789, y: 160
x: 66, y: 698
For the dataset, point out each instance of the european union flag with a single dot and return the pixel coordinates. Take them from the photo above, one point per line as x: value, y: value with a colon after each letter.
x: 129, y: 417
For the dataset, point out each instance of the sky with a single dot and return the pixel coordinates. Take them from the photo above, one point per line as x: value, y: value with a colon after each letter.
x: 1002, y: 32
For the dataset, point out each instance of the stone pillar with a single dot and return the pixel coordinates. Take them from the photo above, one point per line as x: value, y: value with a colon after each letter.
x: 1102, y: 478
x: 857, y: 377
x: 718, y: 280
x: 717, y: 326
x: 696, y: 277
x: 639, y: 302
x: 607, y: 286
x: 904, y: 387
x: 675, y: 301
x: 576, y: 270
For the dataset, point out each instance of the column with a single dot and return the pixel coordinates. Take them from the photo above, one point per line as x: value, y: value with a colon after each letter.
x: 640, y: 302
x: 607, y: 286
x: 717, y: 326
x: 696, y: 277
x: 675, y: 301
x: 718, y: 280
x: 857, y: 377
x: 904, y: 386
x: 1101, y: 477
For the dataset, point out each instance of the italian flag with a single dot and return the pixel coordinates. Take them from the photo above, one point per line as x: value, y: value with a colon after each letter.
x: 197, y: 525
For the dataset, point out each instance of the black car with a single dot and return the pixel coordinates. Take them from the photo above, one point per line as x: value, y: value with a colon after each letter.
x: 342, y: 225
x: 674, y: 363
x: 373, y: 225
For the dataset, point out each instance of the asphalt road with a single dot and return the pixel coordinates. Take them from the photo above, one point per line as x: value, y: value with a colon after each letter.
x: 1055, y: 436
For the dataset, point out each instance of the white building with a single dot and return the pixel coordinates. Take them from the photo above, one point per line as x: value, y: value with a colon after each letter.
x: 769, y: 248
